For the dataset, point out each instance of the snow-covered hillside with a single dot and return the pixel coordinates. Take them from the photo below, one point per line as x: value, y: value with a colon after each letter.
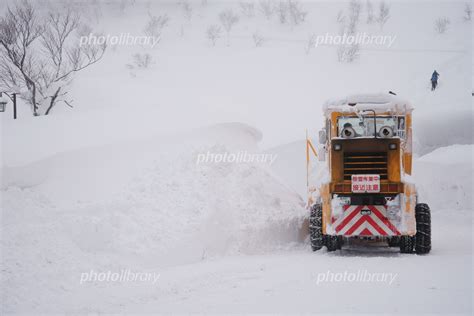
x: 115, y: 183
x: 277, y: 87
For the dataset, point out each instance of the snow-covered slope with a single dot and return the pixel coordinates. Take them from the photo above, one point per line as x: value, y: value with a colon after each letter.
x: 277, y: 87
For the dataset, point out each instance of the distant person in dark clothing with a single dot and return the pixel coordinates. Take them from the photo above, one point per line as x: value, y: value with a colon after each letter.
x: 434, y: 80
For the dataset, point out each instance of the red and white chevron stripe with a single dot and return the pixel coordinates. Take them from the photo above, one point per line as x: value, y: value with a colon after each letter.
x: 358, y: 221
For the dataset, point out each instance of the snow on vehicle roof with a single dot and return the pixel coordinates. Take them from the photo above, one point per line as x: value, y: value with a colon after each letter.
x: 380, y: 103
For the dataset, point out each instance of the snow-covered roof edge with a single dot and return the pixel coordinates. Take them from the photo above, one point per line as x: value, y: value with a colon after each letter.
x: 379, y: 102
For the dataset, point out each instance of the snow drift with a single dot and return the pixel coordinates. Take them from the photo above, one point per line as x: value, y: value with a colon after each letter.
x: 154, y: 199
x: 158, y: 208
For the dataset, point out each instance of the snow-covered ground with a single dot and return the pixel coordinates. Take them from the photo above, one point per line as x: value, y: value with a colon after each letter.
x: 115, y: 185
x: 223, y: 238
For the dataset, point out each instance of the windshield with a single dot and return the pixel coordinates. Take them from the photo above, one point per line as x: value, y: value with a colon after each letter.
x: 364, y: 125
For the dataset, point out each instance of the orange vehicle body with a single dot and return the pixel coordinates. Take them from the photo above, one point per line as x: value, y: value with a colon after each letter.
x: 386, y: 159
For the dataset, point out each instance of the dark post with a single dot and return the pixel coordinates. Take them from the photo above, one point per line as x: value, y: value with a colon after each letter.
x: 14, y: 106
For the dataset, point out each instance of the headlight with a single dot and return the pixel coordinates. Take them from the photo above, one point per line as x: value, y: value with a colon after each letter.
x: 337, y: 147
x: 392, y: 146
x: 386, y: 132
x: 348, y: 132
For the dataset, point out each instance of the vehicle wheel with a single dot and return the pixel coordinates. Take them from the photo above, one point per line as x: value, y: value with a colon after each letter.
x: 406, y: 244
x: 423, y: 228
x: 340, y: 242
x: 394, y: 241
x: 333, y: 243
x: 316, y: 227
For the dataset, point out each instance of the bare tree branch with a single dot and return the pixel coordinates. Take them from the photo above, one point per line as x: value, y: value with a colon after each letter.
x: 39, y: 59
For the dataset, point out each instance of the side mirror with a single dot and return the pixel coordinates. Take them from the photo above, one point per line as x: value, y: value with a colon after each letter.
x: 321, y: 153
x: 322, y: 136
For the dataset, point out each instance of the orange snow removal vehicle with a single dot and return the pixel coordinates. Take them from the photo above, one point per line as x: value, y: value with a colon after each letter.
x: 364, y: 190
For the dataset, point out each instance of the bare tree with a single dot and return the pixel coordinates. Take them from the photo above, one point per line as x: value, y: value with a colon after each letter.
x: 228, y: 19
x: 296, y: 13
x: 214, y: 33
x: 187, y: 9
x: 383, y: 14
x: 282, y: 11
x: 155, y: 25
x: 354, y: 15
x: 258, y: 39
x: 441, y: 24
x: 467, y: 12
x: 267, y: 7
x: 349, y: 52
x: 247, y: 8
x: 370, y: 12
x: 40, y: 58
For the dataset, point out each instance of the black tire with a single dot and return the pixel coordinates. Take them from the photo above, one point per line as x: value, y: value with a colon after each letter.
x: 333, y: 243
x: 406, y: 244
x: 394, y: 241
x: 316, y: 227
x: 423, y: 229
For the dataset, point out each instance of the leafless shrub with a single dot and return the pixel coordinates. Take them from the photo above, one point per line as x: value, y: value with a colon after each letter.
x: 282, y: 11
x: 370, y: 12
x: 258, y: 39
x: 124, y: 4
x: 296, y: 13
x: 267, y: 7
x: 467, y: 12
x: 348, y: 26
x: 311, y: 43
x: 142, y: 60
x: 228, y: 19
x: 348, y: 53
x: 349, y: 23
x: 155, y: 25
x: 441, y: 24
x: 383, y: 14
x: 214, y: 33
x: 187, y: 9
x: 247, y: 8
x: 340, y: 18
x: 354, y: 15
x: 39, y: 57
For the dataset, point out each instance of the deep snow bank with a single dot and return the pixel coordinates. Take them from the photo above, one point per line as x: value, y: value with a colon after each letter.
x: 142, y: 205
x: 444, y: 177
x: 152, y: 199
